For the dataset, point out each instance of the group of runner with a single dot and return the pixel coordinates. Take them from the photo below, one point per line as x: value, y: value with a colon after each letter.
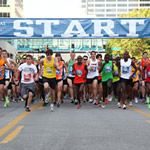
x: 86, y: 78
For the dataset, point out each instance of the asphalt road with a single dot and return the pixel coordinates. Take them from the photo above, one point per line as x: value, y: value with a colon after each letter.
x: 67, y: 128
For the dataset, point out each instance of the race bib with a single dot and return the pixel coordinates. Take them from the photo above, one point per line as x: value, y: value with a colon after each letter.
x: 70, y: 70
x: 58, y: 72
x: 125, y: 70
x: 79, y: 73
x: 108, y: 69
x: 148, y: 74
x: 48, y: 70
x: 27, y: 77
x: 116, y: 73
x: 92, y: 69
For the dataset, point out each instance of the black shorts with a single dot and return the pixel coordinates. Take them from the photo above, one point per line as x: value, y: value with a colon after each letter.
x: 2, y: 81
x: 50, y: 81
x: 65, y: 82
x: 71, y: 78
x: 58, y: 80
x: 90, y: 81
x: 128, y: 82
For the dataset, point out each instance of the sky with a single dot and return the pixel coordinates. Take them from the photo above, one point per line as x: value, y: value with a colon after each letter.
x: 52, y: 9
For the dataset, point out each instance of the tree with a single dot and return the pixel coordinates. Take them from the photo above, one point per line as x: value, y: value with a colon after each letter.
x: 135, y: 46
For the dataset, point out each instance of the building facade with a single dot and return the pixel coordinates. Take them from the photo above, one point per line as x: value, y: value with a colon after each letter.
x: 11, y: 8
x: 112, y: 8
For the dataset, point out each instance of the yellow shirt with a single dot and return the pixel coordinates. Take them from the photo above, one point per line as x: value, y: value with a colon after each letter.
x: 49, y: 71
x: 136, y: 75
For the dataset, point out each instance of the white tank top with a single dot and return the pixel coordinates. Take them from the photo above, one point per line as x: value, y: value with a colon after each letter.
x: 92, y: 69
x: 125, y: 68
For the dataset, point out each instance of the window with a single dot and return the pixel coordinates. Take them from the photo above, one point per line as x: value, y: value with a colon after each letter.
x: 111, y: 5
x: 144, y: 4
x: 5, y: 14
x: 100, y: 10
x: 122, y: 5
x: 111, y: 10
x: 99, y: 5
x: 90, y: 5
x: 133, y: 5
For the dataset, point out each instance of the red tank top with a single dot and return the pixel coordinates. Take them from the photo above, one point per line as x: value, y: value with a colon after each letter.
x: 147, y: 74
x: 80, y: 73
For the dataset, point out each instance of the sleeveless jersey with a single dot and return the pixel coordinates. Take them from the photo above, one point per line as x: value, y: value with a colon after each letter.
x: 80, y: 73
x: 2, y: 71
x: 59, y: 73
x: 49, y: 71
x: 92, y: 69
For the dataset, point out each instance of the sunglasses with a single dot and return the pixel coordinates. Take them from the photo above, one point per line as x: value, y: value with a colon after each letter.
x: 85, y: 59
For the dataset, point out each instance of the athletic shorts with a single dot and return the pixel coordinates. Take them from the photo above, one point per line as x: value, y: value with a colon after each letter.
x: 90, y: 81
x: 65, y: 82
x: 71, y: 78
x: 57, y: 81
x: 50, y: 81
x: 126, y: 81
x: 2, y: 81
x: 26, y: 88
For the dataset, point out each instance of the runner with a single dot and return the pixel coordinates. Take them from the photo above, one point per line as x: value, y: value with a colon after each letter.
x: 59, y: 78
x: 70, y: 77
x: 79, y: 70
x: 92, y: 77
x: 107, y: 76
x: 126, y: 79
x: 28, y: 78
x: 49, y: 65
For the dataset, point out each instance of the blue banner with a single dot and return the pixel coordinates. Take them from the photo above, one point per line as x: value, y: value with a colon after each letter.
x: 74, y: 28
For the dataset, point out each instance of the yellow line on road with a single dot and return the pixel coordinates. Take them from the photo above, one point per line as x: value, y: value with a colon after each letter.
x: 15, y: 121
x: 12, y: 135
x: 147, y: 115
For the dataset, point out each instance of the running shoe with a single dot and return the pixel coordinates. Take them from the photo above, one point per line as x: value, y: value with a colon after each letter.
x: 90, y: 100
x: 136, y: 100
x: 130, y: 104
x: 78, y: 106
x: 52, y: 107
x: 119, y: 105
x: 124, y: 106
x: 103, y: 106
x: 7, y: 102
x: 27, y: 109
x: 75, y: 101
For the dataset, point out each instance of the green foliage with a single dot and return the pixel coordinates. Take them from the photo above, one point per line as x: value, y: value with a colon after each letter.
x: 134, y: 46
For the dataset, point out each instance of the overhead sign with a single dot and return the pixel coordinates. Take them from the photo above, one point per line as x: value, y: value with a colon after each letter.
x: 74, y: 28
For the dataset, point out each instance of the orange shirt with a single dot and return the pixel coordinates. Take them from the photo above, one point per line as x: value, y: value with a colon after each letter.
x: 2, y: 70
x: 59, y: 73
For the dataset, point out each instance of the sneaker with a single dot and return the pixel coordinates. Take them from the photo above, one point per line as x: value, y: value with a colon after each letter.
x: 90, y: 100
x: 109, y: 98
x: 147, y: 100
x: 103, y: 106
x: 7, y: 102
x: 78, y: 106
x: 124, y: 106
x: 58, y: 105
x: 72, y: 100
x: 94, y: 102
x: 27, y: 109
x: 119, y: 105
x: 136, y: 100
x: 130, y: 104
x: 75, y: 101
x: 47, y: 98
x: 106, y: 101
x: 52, y: 107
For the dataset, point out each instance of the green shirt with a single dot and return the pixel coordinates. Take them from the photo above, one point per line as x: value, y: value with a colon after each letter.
x: 107, y: 72
x: 115, y: 73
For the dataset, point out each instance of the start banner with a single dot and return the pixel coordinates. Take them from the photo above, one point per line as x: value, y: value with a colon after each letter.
x: 74, y: 28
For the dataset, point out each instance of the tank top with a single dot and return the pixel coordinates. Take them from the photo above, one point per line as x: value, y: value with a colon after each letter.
x: 80, y: 73
x: 135, y: 76
x: 107, y: 72
x: 125, y: 68
x: 70, y: 68
x: 49, y: 71
x: 59, y: 73
x: 147, y: 74
x: 115, y: 73
x: 2, y: 71
x: 92, y: 69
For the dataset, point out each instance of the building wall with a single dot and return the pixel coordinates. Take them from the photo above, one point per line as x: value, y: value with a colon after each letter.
x: 112, y: 8
x: 11, y: 8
